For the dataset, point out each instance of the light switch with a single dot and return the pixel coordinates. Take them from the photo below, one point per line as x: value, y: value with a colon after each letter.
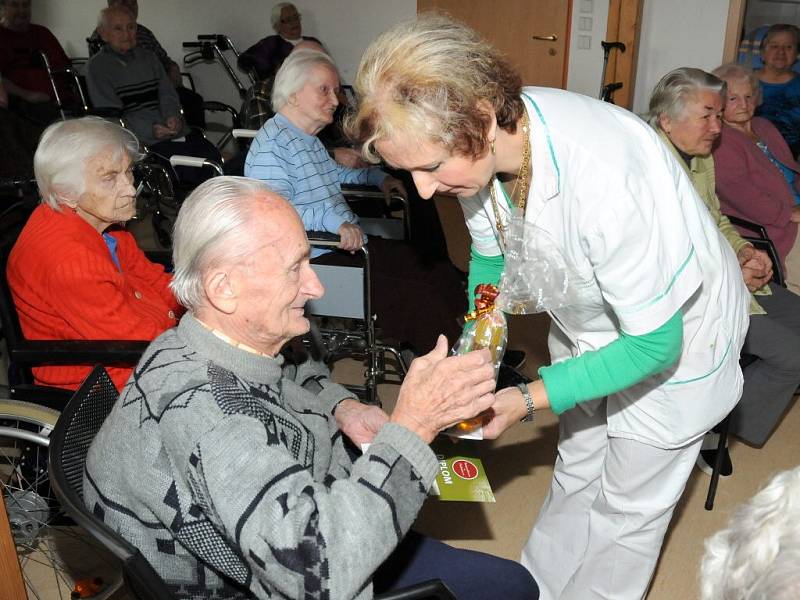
x: 586, y: 6
x: 584, y: 42
x: 585, y: 23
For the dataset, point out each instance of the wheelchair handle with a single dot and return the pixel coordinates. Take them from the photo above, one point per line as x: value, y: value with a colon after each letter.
x: 244, y: 133
x: 198, y: 162
x: 193, y: 44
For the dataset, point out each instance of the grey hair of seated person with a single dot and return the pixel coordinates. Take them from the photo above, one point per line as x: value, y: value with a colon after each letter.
x: 294, y: 72
x: 757, y: 557
x: 735, y: 72
x: 105, y: 13
x: 275, y: 15
x: 675, y: 88
x: 780, y: 28
x: 212, y: 229
x: 65, y: 148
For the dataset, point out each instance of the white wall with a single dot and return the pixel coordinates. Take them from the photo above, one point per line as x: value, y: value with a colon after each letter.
x: 678, y: 33
x: 586, y: 64
x: 674, y: 33
x: 345, y: 26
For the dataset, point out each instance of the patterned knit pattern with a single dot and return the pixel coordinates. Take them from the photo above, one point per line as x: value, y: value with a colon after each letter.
x: 135, y: 82
x: 233, y: 481
x: 298, y: 167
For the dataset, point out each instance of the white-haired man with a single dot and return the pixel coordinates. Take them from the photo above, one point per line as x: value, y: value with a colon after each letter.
x: 227, y: 467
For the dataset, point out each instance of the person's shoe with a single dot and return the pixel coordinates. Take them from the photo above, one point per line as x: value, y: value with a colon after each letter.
x: 514, y: 358
x: 707, y: 459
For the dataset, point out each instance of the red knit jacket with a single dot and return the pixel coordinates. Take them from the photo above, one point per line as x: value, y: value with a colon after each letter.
x: 66, y: 286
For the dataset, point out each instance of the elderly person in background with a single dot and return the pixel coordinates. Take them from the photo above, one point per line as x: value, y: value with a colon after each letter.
x: 249, y: 489
x: 756, y: 556
x: 126, y: 77
x: 657, y: 311
x: 191, y: 101
x: 24, y: 77
x: 414, y: 302
x: 757, y: 177
x: 780, y: 85
x: 266, y: 56
x: 73, y: 273
x: 686, y: 109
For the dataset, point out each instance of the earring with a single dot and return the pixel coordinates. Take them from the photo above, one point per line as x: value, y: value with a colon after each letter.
x: 491, y: 145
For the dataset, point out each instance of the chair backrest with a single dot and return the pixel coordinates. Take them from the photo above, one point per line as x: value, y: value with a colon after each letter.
x: 75, y: 429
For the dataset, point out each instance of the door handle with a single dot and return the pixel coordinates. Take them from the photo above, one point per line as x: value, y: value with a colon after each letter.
x: 545, y: 38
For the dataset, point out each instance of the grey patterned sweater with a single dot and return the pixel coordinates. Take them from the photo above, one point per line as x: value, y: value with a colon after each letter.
x: 233, y: 481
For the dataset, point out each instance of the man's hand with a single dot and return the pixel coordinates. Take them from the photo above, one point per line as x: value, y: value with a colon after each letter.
x: 756, y: 267
x: 442, y: 390
x: 352, y: 237
x: 162, y: 132
x: 391, y: 185
x: 359, y: 422
x: 347, y: 157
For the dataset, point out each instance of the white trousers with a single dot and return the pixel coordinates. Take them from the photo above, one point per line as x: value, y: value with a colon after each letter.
x: 600, y: 529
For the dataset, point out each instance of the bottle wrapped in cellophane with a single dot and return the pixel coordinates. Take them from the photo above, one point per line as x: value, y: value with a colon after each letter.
x: 486, y: 327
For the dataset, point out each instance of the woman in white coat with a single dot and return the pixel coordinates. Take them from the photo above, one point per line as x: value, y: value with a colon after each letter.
x: 645, y: 342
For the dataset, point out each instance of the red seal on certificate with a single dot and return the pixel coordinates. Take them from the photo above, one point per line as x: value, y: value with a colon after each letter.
x: 465, y: 469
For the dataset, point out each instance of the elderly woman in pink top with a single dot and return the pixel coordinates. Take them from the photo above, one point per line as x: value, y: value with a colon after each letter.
x: 757, y: 177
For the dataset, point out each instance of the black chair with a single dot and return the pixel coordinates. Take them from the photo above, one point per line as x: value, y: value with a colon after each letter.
x: 23, y: 354
x: 73, y: 434
x: 761, y: 240
x: 80, y: 421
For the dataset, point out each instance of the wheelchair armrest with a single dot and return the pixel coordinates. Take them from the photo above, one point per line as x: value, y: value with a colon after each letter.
x: 323, y: 238
x: 71, y: 352
x: 757, y: 228
x: 433, y: 588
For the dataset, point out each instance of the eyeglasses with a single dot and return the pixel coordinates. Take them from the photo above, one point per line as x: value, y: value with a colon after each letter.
x: 291, y: 19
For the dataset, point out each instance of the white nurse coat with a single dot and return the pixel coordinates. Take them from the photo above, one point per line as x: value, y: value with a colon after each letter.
x: 643, y: 246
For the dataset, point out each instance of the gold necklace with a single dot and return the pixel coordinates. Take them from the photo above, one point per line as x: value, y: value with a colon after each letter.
x: 523, y: 175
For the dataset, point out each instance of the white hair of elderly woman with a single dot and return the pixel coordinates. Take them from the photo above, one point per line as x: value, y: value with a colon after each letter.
x: 730, y: 72
x: 670, y: 93
x: 66, y: 146
x: 757, y: 557
x: 294, y: 72
x: 275, y: 16
x: 211, y: 228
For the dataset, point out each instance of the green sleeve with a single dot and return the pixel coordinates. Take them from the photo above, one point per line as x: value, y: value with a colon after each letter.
x: 482, y: 269
x: 622, y: 363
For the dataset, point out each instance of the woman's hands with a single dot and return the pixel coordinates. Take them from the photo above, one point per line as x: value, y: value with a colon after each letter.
x: 509, y: 408
x: 756, y: 267
x: 352, y: 238
x: 442, y: 390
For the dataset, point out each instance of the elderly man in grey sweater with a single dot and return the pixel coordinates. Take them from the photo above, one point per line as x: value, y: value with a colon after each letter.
x: 227, y: 467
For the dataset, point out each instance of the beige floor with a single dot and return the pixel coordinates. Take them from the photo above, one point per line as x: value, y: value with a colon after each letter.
x: 519, y: 467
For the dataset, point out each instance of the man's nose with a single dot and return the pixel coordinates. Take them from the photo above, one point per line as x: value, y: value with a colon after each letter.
x: 312, y: 286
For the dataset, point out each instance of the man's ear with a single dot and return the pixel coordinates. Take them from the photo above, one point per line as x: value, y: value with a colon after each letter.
x: 221, y: 291
x: 665, y: 123
x: 486, y: 107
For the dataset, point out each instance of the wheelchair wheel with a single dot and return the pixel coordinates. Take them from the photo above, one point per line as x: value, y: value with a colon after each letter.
x: 53, y: 552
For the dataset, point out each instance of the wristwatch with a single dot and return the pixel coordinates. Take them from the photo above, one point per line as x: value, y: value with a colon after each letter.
x: 526, y: 394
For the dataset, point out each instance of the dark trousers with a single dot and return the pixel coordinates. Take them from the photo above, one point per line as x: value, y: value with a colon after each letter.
x: 470, y: 575
x: 769, y: 382
x: 414, y: 301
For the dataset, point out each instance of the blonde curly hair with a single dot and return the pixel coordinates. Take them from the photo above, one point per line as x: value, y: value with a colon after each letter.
x: 430, y: 78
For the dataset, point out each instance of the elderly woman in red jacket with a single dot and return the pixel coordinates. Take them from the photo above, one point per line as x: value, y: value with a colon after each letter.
x: 757, y: 177
x: 74, y: 272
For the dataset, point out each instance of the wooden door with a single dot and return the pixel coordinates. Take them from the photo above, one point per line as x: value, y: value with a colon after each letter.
x: 534, y: 34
